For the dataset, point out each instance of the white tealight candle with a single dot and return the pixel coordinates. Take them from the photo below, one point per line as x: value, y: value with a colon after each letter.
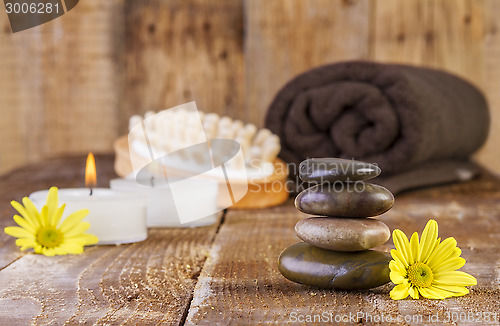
x: 114, y: 217
x: 162, y: 210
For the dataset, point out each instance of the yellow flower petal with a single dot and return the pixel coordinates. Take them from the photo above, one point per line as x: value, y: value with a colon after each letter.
x: 24, y: 224
x: 414, y: 247
x: 449, y: 265
x: 428, y: 240
x: 397, y: 267
x: 73, y: 219
x: 399, y: 292
x: 48, y: 251
x: 44, y: 217
x: 434, y: 293
x: 396, y: 255
x: 56, y: 218
x: 82, y: 239
x: 402, y: 245
x: 398, y: 258
x: 73, y: 248
x: 452, y: 253
x: 38, y: 248
x: 441, y: 252
x: 456, y: 290
x: 60, y: 251
x: 19, y: 232
x: 396, y: 277
x: 24, y: 213
x: 454, y: 278
x: 88, y: 239
x: 33, y: 212
x: 413, y: 292
x: 25, y: 243
x: 52, y: 202
x: 77, y: 229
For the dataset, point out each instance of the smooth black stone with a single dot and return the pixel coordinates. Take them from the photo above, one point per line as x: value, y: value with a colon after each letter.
x: 319, y: 170
x: 306, y: 264
x: 345, y: 200
x: 343, y: 234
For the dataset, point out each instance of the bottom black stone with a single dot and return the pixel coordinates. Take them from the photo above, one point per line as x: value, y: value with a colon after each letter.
x: 306, y: 264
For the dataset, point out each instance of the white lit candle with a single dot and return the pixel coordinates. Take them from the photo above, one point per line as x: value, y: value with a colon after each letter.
x: 114, y: 217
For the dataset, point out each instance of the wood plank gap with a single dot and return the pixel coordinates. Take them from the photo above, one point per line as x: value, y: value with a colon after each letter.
x: 12, y: 262
x: 188, y: 307
x: 222, y: 219
x: 372, y: 16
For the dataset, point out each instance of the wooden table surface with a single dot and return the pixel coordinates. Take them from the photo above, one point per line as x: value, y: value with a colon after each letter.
x: 227, y: 273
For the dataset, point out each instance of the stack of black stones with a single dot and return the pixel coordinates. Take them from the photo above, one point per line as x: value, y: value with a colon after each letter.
x: 337, y: 241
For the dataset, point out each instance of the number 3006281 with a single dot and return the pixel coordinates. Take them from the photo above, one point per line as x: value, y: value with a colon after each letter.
x: 31, y: 8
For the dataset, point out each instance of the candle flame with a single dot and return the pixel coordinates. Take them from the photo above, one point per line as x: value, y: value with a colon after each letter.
x: 90, y: 172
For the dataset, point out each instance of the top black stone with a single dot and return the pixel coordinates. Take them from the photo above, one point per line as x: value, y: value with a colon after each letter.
x: 319, y: 170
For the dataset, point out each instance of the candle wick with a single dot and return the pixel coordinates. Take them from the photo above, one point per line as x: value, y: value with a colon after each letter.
x: 152, y: 180
x: 91, y: 191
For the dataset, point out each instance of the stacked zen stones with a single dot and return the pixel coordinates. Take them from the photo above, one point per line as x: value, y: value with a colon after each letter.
x: 335, y: 252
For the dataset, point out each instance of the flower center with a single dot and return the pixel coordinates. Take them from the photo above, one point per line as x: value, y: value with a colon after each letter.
x: 49, y: 237
x: 420, y: 275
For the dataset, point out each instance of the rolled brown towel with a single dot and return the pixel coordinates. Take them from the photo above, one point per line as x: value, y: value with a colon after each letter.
x: 400, y: 117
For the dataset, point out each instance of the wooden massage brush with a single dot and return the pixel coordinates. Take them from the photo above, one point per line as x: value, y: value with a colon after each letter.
x: 172, y: 130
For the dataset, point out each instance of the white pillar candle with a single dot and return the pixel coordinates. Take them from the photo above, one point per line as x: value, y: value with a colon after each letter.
x: 114, y: 217
x: 161, y: 207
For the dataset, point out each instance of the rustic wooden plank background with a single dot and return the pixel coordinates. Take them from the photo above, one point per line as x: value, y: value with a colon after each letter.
x: 227, y: 274
x: 186, y: 50
x: 60, y: 86
x: 69, y: 86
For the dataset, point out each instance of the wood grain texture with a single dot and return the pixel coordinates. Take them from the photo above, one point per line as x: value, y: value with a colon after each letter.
x: 146, y: 283
x: 59, y: 90
x: 227, y: 273
x: 180, y: 51
x: 70, y: 86
x: 488, y: 155
x: 460, y: 37
x: 243, y: 286
x: 286, y: 37
x: 403, y: 31
x: 437, y: 33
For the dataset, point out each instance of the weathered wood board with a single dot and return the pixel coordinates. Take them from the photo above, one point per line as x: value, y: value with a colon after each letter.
x: 182, y: 51
x: 70, y: 86
x: 227, y: 273
x: 60, y: 86
x: 146, y: 283
x: 240, y: 282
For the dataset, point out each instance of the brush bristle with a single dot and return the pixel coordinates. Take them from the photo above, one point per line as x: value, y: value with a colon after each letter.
x: 173, y: 130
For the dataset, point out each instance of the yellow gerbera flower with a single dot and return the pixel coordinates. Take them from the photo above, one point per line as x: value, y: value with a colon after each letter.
x: 428, y: 268
x: 42, y: 232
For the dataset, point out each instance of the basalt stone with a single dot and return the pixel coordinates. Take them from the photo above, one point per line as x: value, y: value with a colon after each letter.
x: 343, y: 234
x: 319, y: 170
x: 306, y: 264
x: 357, y: 199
